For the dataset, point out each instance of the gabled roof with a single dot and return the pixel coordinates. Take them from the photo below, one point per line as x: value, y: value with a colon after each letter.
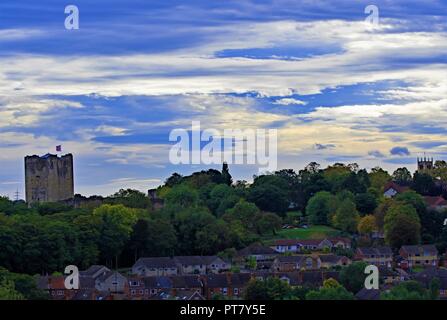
x: 92, y: 270
x: 393, y: 185
x: 109, y: 274
x: 156, y: 262
x: 331, y: 258
x: 190, y: 260
x: 51, y: 283
x: 435, y: 201
x: 239, y: 279
x: 160, y: 282
x: 425, y: 250
x: 185, y: 281
x: 216, y: 280
x: 256, y: 249
x: 292, y: 259
x: 375, y: 251
x: 309, y: 242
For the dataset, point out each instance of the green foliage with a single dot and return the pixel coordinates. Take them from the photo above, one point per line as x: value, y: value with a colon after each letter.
x: 116, y: 223
x: 346, y: 218
x: 182, y: 196
x: 353, y: 276
x: 130, y: 198
x: 331, y: 290
x: 321, y: 208
x: 366, y: 203
x: 379, y: 178
x: 269, y: 289
x: 409, y: 290
x: 401, y: 225
x: 269, y: 197
x: 402, y: 176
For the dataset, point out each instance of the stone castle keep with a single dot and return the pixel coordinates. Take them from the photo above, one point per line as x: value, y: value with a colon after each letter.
x: 49, y: 178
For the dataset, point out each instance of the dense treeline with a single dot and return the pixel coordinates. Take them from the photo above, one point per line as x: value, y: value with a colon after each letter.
x: 207, y: 213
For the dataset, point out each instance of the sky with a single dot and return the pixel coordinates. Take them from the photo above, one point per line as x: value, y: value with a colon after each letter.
x: 335, y: 87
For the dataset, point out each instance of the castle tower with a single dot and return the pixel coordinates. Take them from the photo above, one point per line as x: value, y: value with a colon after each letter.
x: 49, y: 178
x: 425, y: 164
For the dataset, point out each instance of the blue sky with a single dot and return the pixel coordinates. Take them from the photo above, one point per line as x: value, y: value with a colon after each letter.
x: 336, y: 89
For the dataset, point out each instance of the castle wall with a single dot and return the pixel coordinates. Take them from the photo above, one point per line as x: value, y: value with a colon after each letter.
x: 49, y: 178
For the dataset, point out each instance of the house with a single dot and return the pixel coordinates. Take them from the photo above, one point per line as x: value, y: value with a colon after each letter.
x: 379, y: 256
x: 94, y: 271
x: 436, y: 203
x: 316, y: 278
x: 329, y: 261
x: 201, y: 264
x: 55, y: 286
x: 190, y: 264
x: 419, y: 255
x: 391, y: 189
x: 142, y: 288
x: 215, y: 264
x: 111, y: 282
x: 259, y: 252
x: 428, y: 274
x: 297, y: 245
x: 160, y: 266
x: 390, y: 276
x: 296, y: 263
x: 230, y: 285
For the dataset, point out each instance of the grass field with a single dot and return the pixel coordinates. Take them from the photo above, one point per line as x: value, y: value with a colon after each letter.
x: 313, y: 232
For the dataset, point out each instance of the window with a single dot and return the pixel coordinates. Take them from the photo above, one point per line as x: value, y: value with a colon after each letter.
x: 224, y: 291
x: 309, y: 263
x: 134, y: 283
x: 153, y: 291
x: 141, y: 291
x: 235, y: 291
x: 133, y: 292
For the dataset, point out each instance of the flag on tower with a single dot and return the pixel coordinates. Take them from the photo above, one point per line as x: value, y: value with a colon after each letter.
x: 58, y: 148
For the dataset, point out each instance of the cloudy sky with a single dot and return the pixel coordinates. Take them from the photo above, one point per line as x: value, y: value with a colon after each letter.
x: 335, y: 88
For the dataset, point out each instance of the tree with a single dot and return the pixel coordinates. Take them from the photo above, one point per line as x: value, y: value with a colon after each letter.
x: 402, y: 176
x: 267, y: 222
x: 321, y: 207
x: 367, y: 225
x: 130, y: 198
x: 182, y: 196
x: 330, y: 293
x: 221, y: 198
x: 366, y: 202
x: 269, y: 289
x: 244, y: 211
x: 346, y: 217
x: 409, y: 290
x: 424, y: 184
x: 8, y: 292
x: 435, y: 285
x: 226, y: 176
x: 379, y: 178
x: 353, y: 276
x: 381, y: 211
x: 402, y: 226
x: 269, y: 197
x: 117, y: 222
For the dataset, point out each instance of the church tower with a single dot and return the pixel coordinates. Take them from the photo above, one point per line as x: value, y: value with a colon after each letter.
x: 425, y: 164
